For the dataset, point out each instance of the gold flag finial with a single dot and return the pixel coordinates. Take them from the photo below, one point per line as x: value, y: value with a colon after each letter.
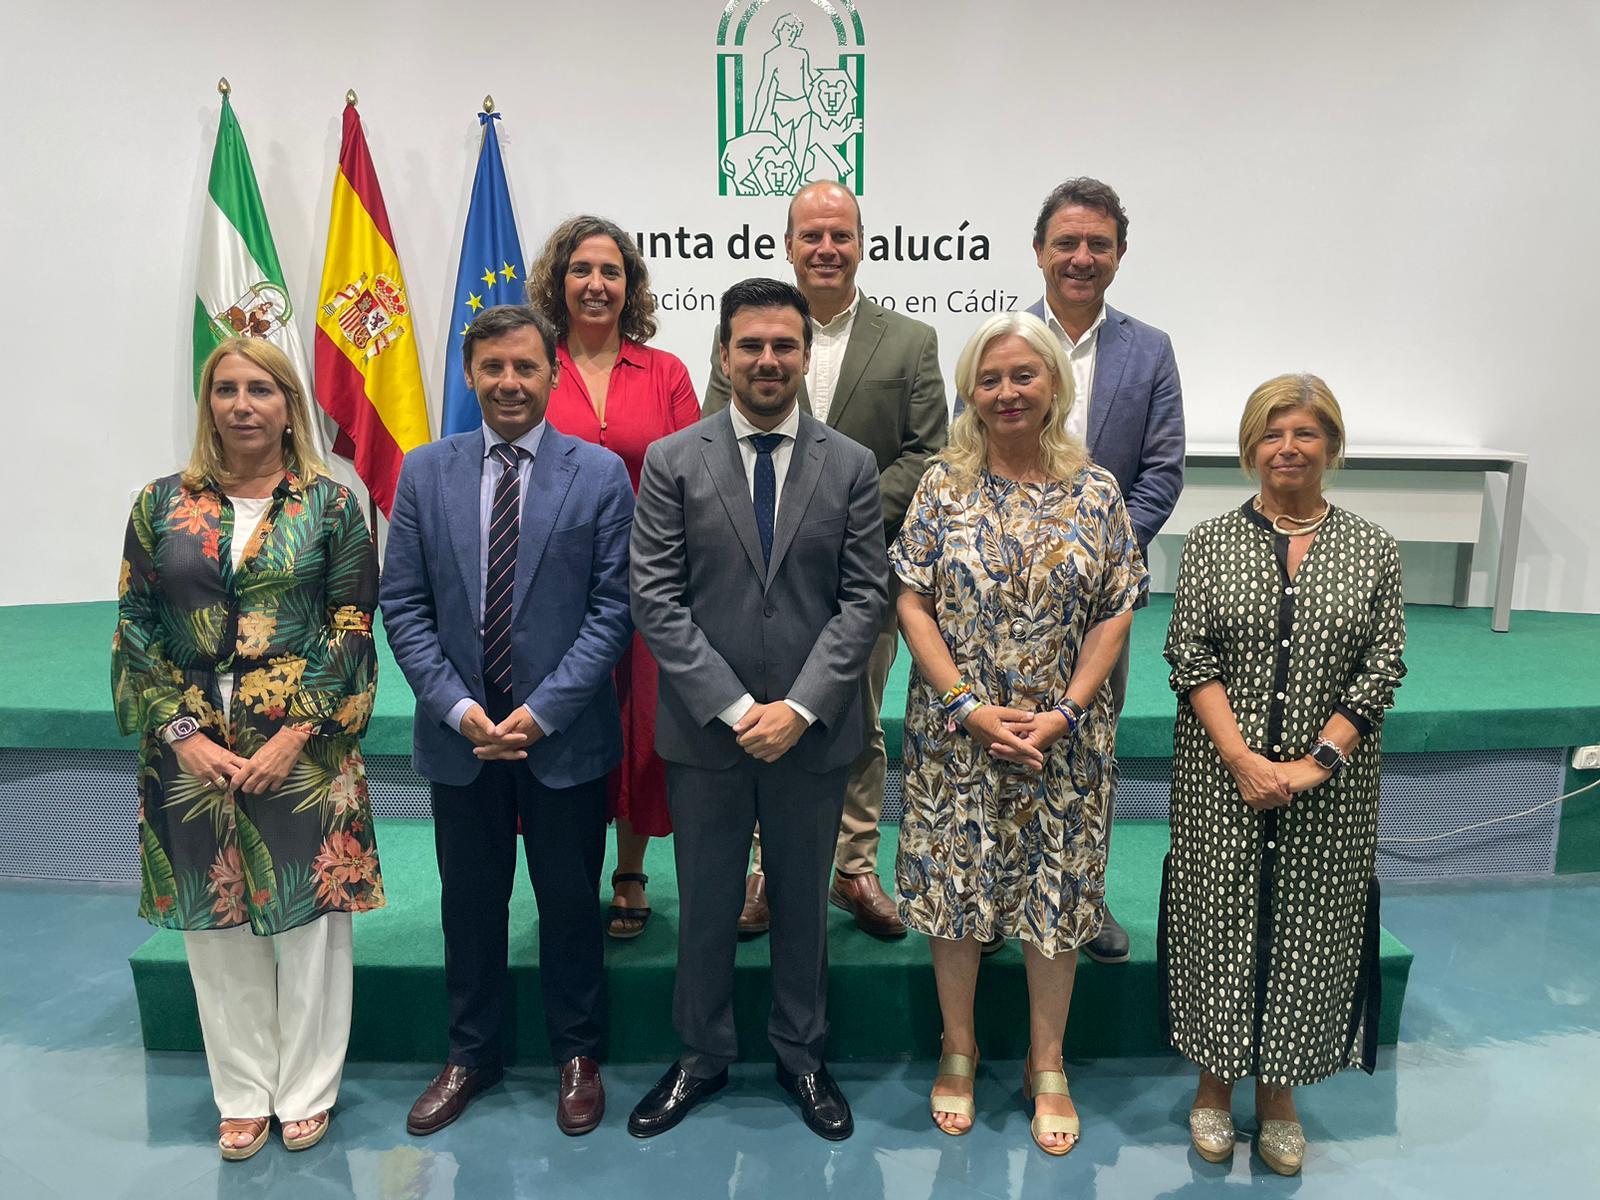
x: 224, y: 86
x: 350, y: 96
x: 488, y: 104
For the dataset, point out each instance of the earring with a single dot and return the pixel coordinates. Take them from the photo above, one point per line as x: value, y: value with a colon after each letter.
x: 287, y: 430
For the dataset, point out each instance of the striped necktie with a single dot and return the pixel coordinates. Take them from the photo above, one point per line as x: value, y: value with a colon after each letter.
x: 504, y: 519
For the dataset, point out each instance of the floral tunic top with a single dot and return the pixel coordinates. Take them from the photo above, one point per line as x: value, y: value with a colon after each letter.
x: 293, y: 627
x: 1019, y: 574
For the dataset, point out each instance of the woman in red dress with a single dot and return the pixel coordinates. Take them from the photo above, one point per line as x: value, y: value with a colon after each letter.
x: 591, y: 282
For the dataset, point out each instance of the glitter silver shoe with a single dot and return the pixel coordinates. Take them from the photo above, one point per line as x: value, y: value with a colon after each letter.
x: 1282, y: 1145
x: 1211, y: 1131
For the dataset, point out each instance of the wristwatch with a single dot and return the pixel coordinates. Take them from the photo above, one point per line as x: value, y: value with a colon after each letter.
x: 179, y: 729
x: 1327, y: 755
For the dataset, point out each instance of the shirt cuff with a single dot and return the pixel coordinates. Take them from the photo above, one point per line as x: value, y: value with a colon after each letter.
x: 730, y: 715
x: 453, y: 717
x: 544, y: 727
x: 809, y: 717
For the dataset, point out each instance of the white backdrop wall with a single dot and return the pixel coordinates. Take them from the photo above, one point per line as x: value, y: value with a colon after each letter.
x: 1403, y: 198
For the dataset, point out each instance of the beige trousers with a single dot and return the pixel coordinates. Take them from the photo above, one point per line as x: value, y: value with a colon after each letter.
x: 275, y: 1012
x: 857, y: 849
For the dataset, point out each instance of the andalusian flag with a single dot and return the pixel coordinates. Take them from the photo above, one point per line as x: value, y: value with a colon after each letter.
x: 369, y: 375
x: 239, y: 289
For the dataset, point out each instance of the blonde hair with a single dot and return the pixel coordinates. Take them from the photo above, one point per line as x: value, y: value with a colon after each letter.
x: 206, y: 460
x: 1284, y: 393
x: 1060, y: 454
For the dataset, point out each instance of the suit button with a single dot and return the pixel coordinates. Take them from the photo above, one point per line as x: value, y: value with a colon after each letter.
x: 761, y: 666
x: 770, y: 611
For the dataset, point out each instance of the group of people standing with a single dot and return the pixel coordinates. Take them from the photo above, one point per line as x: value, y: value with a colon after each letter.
x: 612, y: 605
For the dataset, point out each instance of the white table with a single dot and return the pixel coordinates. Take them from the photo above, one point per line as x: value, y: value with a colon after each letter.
x: 1417, y: 493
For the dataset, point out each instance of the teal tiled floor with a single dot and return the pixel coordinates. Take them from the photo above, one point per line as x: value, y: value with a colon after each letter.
x: 1491, y: 1091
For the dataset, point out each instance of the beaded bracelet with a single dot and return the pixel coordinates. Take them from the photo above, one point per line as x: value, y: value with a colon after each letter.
x: 1072, y: 711
x: 953, y: 697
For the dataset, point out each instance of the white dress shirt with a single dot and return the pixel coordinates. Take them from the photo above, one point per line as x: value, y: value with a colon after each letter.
x: 493, y: 468
x: 789, y: 427
x: 828, y: 345
x: 1081, y: 355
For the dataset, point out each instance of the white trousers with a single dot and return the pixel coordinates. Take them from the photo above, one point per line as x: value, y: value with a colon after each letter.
x: 275, y: 1012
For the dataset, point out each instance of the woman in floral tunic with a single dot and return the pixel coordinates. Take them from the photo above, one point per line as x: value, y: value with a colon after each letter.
x: 1285, y: 644
x: 1020, y: 574
x: 243, y: 658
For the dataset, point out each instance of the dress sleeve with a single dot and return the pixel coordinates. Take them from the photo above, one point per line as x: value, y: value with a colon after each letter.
x: 683, y: 406
x: 1379, y: 668
x: 341, y: 676
x: 915, y: 553
x: 146, y: 688
x: 1191, y: 637
x: 1124, y: 581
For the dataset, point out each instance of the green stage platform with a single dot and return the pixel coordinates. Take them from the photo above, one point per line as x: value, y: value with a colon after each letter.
x: 1467, y: 688
x: 881, y: 999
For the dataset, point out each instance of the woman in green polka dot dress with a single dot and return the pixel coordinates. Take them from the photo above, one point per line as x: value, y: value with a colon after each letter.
x: 1285, y: 645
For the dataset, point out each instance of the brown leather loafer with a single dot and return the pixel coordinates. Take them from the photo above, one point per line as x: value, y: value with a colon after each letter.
x: 756, y: 916
x: 580, y: 1097
x: 862, y: 896
x: 446, y: 1098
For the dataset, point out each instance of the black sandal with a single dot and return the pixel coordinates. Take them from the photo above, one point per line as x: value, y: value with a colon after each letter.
x: 616, y: 914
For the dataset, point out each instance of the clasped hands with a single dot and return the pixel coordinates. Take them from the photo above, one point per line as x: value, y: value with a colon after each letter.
x: 1015, y: 735
x: 504, y: 742
x: 1264, y: 784
x: 767, y: 732
x: 262, y: 772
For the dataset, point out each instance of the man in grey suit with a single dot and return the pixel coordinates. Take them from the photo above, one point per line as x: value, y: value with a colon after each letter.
x: 874, y: 376
x: 759, y: 580
x: 1129, y: 409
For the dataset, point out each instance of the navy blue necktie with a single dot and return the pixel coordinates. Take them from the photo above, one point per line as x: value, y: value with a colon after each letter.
x: 504, y: 518
x: 766, y: 489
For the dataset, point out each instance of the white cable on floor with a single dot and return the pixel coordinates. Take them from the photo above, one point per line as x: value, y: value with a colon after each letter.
x: 1517, y: 816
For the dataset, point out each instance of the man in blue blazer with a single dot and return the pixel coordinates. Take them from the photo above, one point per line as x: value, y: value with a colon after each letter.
x: 1129, y: 403
x: 505, y: 600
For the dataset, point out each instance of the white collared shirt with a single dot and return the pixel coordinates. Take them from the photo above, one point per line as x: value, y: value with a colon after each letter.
x: 828, y: 345
x: 1081, y: 355
x: 493, y: 468
x: 789, y: 427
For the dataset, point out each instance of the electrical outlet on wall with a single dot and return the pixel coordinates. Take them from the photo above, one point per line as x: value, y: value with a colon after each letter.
x: 1586, y: 758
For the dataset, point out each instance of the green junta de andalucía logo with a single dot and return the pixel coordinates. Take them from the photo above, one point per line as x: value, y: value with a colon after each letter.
x: 791, y: 83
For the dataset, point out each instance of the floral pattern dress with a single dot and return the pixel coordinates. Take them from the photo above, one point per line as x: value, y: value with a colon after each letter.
x: 1019, y: 573
x: 293, y: 627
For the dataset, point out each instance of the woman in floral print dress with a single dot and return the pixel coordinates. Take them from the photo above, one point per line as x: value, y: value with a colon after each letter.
x: 244, y: 659
x: 1020, y: 572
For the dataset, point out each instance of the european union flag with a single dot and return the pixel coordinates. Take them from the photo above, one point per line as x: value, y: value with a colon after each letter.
x: 490, y: 273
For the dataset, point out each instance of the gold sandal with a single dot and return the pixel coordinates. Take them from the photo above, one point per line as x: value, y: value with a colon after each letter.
x: 1049, y: 1083
x: 256, y: 1127
x: 308, y: 1140
x: 962, y: 1067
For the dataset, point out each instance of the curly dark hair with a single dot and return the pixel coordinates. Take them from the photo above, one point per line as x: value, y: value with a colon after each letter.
x: 1090, y: 193
x: 546, y: 279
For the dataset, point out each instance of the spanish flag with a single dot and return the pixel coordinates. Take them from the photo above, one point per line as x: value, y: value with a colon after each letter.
x: 369, y: 373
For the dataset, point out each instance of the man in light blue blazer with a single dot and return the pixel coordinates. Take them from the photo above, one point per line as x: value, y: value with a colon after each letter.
x: 1129, y: 403
x: 505, y: 600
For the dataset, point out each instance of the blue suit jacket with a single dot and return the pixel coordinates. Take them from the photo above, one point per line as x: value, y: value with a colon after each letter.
x: 1136, y: 417
x: 569, y: 602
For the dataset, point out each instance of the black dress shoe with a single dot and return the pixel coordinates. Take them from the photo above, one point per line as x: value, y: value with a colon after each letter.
x: 669, y: 1102
x: 1110, y: 944
x: 822, y: 1104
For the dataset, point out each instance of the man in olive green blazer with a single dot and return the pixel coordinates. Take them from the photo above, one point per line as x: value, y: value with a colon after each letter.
x: 875, y: 378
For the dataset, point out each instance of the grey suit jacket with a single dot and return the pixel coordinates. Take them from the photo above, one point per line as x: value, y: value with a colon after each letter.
x: 889, y: 397
x: 720, y: 625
